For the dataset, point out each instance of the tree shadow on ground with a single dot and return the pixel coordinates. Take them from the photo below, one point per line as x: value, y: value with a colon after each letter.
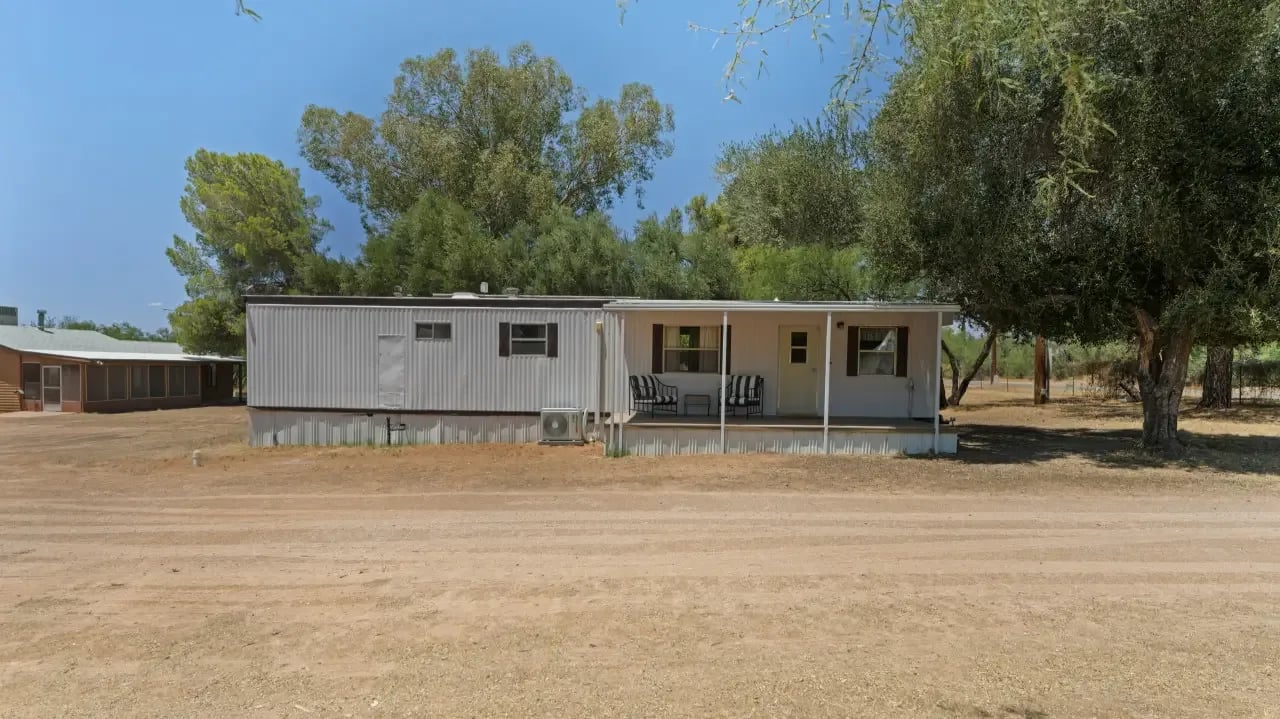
x: 999, y: 444
x: 1240, y: 413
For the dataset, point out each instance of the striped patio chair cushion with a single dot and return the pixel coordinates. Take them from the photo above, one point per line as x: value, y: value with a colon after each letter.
x: 742, y: 389
x: 645, y: 388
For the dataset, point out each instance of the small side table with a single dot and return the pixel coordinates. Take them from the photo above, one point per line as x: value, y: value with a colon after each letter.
x: 692, y: 401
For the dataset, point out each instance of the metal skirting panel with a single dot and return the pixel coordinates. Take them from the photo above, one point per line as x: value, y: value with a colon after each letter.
x: 270, y: 428
x: 659, y: 441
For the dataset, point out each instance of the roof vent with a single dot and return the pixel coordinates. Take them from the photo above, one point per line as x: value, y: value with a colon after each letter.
x: 511, y: 291
x: 9, y: 316
x: 484, y: 288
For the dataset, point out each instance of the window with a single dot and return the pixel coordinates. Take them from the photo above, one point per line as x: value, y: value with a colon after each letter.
x: 97, y: 383
x: 193, y: 379
x: 31, y: 380
x: 70, y: 383
x: 117, y: 382
x: 138, y: 381
x: 799, y: 348
x: 877, y: 351
x: 177, y: 381
x: 691, y: 349
x: 156, y: 379
x: 432, y: 331
x: 529, y: 340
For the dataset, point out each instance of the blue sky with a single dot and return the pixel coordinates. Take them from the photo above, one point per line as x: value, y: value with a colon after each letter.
x: 104, y: 100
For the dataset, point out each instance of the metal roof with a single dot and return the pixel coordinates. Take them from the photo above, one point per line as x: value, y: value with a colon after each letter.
x: 457, y: 300
x: 168, y: 358
x: 777, y: 306
x: 91, y: 345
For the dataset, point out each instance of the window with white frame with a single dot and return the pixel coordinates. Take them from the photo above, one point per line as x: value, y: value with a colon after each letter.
x: 529, y: 339
x: 691, y: 349
x: 432, y: 331
x: 877, y: 351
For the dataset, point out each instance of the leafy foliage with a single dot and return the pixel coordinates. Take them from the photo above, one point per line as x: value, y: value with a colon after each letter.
x: 1170, y: 235
x: 799, y: 188
x: 256, y: 233
x: 509, y: 141
x: 118, y: 330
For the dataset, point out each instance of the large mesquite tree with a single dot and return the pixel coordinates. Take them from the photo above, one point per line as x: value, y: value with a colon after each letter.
x: 1143, y: 206
x: 509, y: 141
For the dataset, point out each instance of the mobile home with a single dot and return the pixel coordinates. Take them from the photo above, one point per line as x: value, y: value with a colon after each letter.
x: 842, y: 377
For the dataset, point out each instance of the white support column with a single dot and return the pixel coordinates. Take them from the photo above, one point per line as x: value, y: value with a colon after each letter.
x: 623, y: 397
x: 826, y: 394
x: 724, y: 369
x: 937, y: 385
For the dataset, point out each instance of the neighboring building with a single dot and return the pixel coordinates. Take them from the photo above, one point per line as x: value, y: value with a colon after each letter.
x: 56, y: 370
x: 479, y: 368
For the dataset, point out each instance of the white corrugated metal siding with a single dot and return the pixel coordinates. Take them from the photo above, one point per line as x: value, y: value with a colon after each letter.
x: 657, y: 441
x: 326, y: 357
x: 269, y: 428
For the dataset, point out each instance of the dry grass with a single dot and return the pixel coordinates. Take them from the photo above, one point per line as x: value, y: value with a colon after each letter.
x: 1047, y: 571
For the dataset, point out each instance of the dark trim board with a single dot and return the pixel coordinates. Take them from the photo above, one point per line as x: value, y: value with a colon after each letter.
x: 585, y: 303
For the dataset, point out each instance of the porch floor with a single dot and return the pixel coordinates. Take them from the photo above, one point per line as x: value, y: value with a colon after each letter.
x: 866, y: 424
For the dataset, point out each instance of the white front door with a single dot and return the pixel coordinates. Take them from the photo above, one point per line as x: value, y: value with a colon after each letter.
x: 51, y: 395
x: 799, y: 380
x: 391, y: 371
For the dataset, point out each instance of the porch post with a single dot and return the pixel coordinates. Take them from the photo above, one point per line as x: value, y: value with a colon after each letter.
x: 826, y: 394
x: 622, y: 364
x: 937, y: 387
x: 724, y: 369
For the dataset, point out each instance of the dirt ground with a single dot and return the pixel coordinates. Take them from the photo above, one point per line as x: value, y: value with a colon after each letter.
x: 1047, y: 571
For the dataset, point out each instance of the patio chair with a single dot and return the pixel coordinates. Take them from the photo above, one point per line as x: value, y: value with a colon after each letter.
x: 649, y: 392
x: 744, y: 391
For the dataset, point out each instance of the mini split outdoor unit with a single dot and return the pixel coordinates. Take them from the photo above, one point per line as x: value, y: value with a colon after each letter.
x: 562, y: 426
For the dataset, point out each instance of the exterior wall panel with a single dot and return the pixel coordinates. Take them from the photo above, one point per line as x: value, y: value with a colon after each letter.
x: 10, y: 381
x: 269, y: 428
x: 325, y: 357
x: 660, y: 441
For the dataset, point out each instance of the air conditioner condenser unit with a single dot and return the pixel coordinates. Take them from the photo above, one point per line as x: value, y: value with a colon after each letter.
x: 562, y: 426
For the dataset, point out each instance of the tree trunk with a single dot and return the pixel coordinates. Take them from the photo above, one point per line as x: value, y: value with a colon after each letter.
x: 1163, y: 355
x: 961, y: 385
x: 955, y: 369
x: 1216, y: 386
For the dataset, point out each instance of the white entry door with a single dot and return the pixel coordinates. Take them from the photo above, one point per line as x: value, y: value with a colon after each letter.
x: 391, y: 371
x: 51, y: 395
x: 799, y: 381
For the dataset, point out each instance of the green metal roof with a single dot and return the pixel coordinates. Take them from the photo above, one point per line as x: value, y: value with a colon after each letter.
x: 35, y: 339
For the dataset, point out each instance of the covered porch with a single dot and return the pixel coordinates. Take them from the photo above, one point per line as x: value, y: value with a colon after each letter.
x: 806, y: 378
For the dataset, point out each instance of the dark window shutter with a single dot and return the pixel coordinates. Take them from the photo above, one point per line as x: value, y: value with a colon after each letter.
x: 553, y: 339
x: 657, y: 349
x: 851, y: 359
x: 728, y: 352
x: 903, y: 345
x: 504, y: 339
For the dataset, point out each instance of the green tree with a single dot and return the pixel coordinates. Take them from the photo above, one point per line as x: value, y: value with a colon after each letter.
x: 436, y: 246
x: 577, y: 256
x: 509, y: 141
x: 256, y: 232
x: 671, y: 262
x: 1168, y: 228
x: 813, y: 272
x: 118, y: 330
x: 799, y: 188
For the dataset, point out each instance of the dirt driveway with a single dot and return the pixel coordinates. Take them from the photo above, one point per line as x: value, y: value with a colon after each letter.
x: 519, y: 581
